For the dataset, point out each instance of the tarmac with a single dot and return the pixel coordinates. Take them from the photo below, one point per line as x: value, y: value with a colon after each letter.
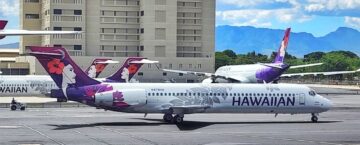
x: 86, y: 125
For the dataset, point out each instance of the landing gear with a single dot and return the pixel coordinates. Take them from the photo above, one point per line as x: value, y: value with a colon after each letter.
x: 168, y: 117
x: 314, y: 118
x: 178, y: 119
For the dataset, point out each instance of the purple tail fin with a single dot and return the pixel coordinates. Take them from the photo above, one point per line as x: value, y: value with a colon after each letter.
x: 127, y: 71
x: 96, y: 67
x: 2, y: 26
x: 280, y: 56
x: 62, y: 69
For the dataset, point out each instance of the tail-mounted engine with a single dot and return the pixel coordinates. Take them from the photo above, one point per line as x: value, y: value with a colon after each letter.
x: 121, y: 98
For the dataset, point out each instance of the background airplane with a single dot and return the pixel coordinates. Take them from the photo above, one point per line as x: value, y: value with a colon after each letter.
x: 251, y: 73
x: 4, y: 33
x: 261, y: 72
x: 178, y: 99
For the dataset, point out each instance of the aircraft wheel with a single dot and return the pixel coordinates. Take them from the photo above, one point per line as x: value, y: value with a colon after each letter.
x: 178, y: 119
x: 314, y: 119
x: 13, y: 107
x: 168, y: 117
x: 22, y: 108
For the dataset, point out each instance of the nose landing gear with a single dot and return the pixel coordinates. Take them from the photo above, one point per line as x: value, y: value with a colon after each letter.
x: 314, y: 117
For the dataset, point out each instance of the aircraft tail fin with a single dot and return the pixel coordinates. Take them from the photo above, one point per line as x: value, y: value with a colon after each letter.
x: 97, y: 67
x: 130, y: 67
x: 62, y: 69
x: 2, y: 26
x: 280, y: 56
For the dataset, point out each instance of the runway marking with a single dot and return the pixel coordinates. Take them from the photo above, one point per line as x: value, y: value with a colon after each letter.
x: 96, y: 139
x: 44, y: 135
x: 9, y: 127
x: 129, y: 135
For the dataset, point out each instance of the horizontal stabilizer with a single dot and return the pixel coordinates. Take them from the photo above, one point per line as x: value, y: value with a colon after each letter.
x: 144, y: 61
x: 107, y: 62
x: 305, y: 65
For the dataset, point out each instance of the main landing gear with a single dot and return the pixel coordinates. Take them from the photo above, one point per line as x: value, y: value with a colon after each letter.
x: 169, y: 118
x: 314, y: 117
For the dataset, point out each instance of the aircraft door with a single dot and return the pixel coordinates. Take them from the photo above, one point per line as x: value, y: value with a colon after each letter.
x: 302, y: 99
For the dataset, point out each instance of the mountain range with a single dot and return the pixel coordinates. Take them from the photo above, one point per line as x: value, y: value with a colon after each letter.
x: 244, y: 39
x: 10, y: 45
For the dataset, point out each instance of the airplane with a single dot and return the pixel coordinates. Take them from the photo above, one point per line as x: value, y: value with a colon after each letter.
x: 250, y: 73
x: 4, y: 33
x: 178, y: 99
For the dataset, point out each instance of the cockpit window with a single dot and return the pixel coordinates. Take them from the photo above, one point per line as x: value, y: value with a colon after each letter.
x: 312, y: 93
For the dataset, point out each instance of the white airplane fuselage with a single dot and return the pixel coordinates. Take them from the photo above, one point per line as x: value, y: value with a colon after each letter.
x: 214, y: 98
x: 30, y: 85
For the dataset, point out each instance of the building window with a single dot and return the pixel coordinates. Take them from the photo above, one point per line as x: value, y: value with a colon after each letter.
x: 32, y: 16
x: 77, y: 29
x: 57, y: 45
x: 164, y: 74
x: 142, y: 13
x: 140, y: 74
x: 77, y: 12
x: 77, y: 47
x: 181, y: 74
x: 57, y: 28
x: 141, y: 48
x: 57, y: 11
x: 142, y: 30
x: 32, y: 1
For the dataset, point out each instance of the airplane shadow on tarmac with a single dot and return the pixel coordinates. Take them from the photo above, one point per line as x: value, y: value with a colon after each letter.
x: 185, y: 126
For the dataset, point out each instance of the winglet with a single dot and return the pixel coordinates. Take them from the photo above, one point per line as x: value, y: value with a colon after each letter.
x: 282, y: 49
x: 3, y: 24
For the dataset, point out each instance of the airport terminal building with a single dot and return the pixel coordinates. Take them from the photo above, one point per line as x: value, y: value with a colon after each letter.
x: 178, y: 33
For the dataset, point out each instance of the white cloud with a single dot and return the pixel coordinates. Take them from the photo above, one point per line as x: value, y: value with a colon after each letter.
x: 353, y: 22
x: 261, y: 18
x: 332, y: 5
x: 9, y: 7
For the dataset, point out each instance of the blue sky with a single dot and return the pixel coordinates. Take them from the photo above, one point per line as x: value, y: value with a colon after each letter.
x: 318, y: 17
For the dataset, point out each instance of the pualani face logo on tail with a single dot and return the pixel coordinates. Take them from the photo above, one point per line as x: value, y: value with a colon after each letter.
x: 58, y: 67
x: 131, y: 70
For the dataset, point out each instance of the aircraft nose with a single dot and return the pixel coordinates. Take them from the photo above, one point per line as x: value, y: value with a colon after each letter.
x: 327, y: 104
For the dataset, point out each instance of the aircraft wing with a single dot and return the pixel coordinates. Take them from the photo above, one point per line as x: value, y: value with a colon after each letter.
x: 190, y: 72
x: 28, y: 32
x: 306, y: 65
x: 320, y: 73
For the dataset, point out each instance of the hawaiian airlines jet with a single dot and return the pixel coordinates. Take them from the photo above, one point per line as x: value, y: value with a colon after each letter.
x: 251, y: 73
x: 4, y: 33
x: 175, y: 100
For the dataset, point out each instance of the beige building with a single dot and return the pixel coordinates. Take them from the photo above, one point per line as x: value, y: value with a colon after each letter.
x: 178, y: 33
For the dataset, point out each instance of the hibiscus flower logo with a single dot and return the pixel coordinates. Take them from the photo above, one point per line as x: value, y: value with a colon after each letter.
x: 99, y: 67
x: 132, y: 69
x: 90, y: 92
x: 55, y: 66
x: 118, y: 96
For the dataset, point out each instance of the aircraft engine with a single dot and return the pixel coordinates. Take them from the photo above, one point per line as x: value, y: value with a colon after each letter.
x: 121, y: 98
